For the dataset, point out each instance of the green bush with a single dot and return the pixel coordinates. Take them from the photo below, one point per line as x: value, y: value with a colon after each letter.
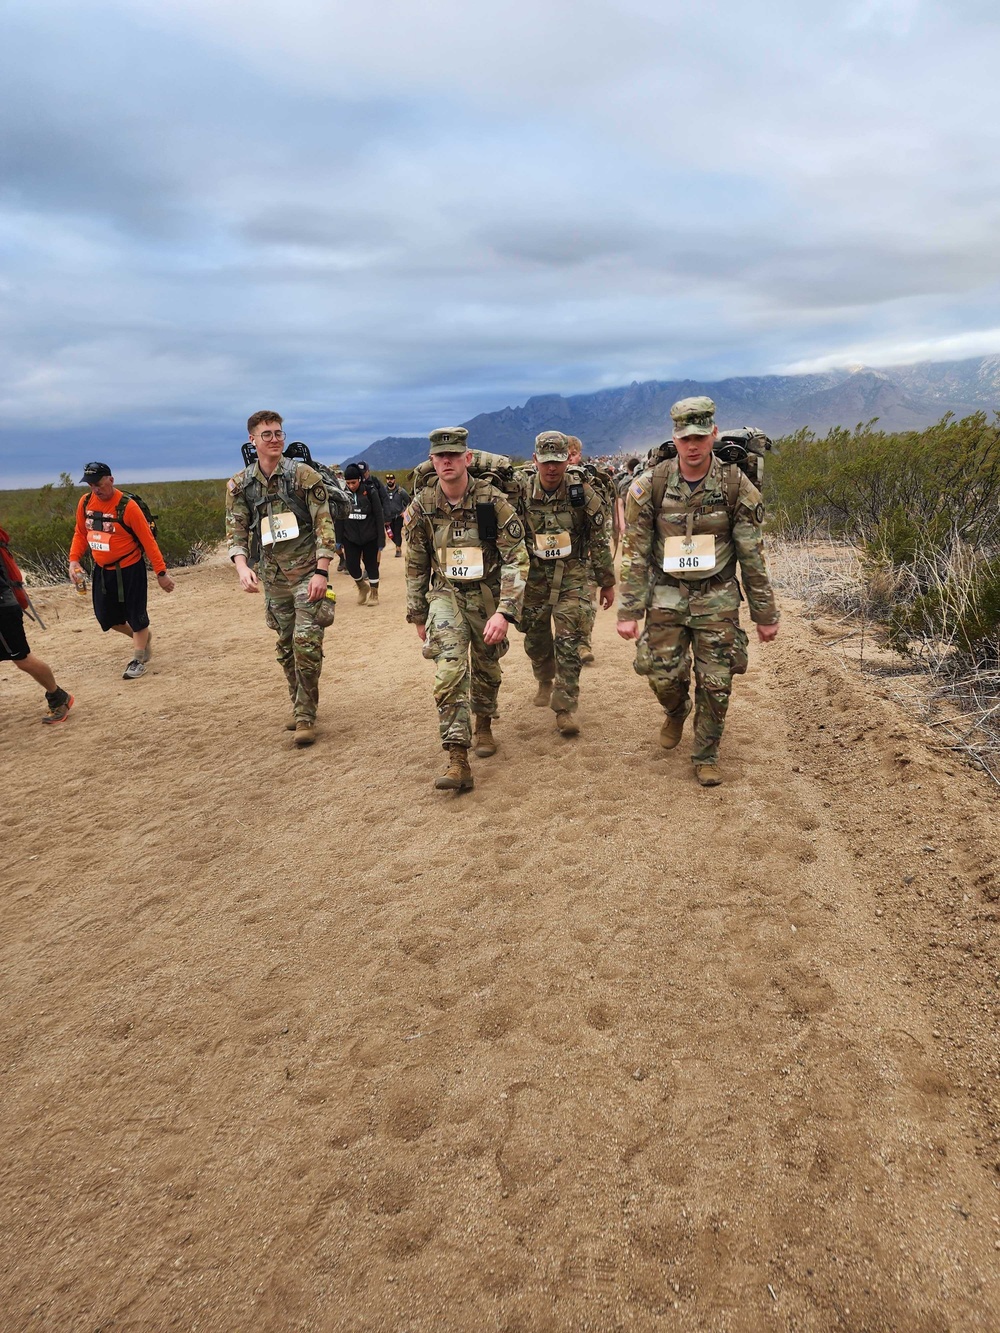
x: 190, y: 521
x: 923, y: 508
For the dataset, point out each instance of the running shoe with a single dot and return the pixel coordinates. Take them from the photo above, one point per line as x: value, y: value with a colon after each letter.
x: 59, y: 712
x: 134, y: 670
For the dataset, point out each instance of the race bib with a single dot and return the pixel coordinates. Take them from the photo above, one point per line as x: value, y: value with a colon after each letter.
x: 285, y: 527
x: 683, y: 555
x: 463, y: 562
x: 99, y: 541
x: 553, y: 545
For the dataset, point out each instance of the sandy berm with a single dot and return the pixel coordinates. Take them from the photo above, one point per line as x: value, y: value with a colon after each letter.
x: 291, y: 1041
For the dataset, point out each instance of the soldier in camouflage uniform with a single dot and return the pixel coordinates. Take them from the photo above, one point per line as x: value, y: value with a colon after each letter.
x: 277, y: 509
x: 466, y: 568
x: 568, y: 530
x: 687, y: 523
x: 603, y: 484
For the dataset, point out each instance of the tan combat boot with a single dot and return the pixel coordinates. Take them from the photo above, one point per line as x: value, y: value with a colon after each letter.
x: 670, y: 732
x: 292, y: 723
x: 305, y: 734
x: 364, y: 588
x: 485, y: 741
x: 708, y: 775
x: 543, y: 695
x: 566, y: 724
x: 587, y: 656
x: 372, y: 596
x: 458, y: 775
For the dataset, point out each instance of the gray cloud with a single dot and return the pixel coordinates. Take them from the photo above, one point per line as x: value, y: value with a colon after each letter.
x: 385, y: 217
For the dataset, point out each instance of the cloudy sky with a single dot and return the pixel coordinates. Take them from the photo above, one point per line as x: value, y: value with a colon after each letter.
x: 381, y: 218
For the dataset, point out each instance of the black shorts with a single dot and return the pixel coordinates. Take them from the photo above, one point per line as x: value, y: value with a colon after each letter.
x: 129, y: 608
x: 13, y: 644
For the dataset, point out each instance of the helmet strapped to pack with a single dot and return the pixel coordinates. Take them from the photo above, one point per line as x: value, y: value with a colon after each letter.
x: 744, y: 446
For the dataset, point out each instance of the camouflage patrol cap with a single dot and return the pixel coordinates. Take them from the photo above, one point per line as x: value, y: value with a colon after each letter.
x: 449, y: 440
x: 551, y: 446
x: 693, y: 416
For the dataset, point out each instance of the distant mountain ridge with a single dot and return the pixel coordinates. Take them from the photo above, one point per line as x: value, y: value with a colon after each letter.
x: 635, y: 416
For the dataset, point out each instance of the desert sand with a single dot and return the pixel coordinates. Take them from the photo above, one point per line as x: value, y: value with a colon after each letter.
x: 293, y: 1042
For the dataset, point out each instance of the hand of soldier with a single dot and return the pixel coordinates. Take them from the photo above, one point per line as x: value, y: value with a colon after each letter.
x: 317, y: 588
x: 767, y: 632
x: 628, y: 629
x: 607, y: 597
x: 421, y: 632
x: 248, y: 579
x: 496, y: 628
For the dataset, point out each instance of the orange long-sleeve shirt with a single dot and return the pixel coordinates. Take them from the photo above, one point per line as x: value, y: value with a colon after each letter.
x: 111, y: 544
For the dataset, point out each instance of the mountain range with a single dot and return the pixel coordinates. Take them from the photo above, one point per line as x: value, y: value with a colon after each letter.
x: 631, y: 418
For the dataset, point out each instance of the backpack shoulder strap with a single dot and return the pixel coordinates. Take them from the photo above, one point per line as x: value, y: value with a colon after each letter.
x: 731, y: 486
x: 659, y: 483
x: 120, y: 517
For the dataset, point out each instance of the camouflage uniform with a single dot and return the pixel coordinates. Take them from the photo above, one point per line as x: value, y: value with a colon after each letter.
x: 455, y: 609
x: 691, y: 610
x: 601, y: 481
x: 287, y: 566
x: 558, y: 611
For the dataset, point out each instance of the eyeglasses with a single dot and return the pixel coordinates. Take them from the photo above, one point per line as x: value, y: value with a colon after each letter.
x: 272, y: 435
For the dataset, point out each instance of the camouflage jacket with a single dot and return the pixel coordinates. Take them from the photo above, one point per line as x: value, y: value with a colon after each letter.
x: 699, y: 512
x: 293, y: 488
x: 588, y: 527
x: 444, y: 550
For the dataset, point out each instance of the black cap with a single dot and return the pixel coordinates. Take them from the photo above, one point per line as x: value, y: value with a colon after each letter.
x: 94, y: 472
x: 353, y: 472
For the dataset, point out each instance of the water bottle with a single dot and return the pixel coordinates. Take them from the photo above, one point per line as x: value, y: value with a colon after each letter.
x: 80, y: 582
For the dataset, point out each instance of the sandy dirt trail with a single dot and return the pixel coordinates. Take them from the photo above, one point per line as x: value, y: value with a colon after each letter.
x: 293, y: 1042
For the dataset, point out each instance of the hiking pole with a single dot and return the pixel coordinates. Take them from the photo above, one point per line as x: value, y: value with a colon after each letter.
x: 32, y: 611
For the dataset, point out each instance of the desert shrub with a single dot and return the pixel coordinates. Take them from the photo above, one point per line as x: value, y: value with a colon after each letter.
x: 900, y: 495
x: 191, y: 521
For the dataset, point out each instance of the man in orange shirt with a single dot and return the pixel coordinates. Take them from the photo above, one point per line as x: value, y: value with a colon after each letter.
x: 115, y: 531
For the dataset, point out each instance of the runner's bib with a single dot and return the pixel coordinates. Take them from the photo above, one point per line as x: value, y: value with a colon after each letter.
x: 98, y: 540
x: 286, y: 526
x: 683, y: 555
x: 553, y: 545
x: 463, y: 563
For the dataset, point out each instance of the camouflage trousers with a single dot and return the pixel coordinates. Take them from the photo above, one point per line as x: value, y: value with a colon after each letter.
x: 590, y: 615
x: 455, y: 626
x: 553, y: 637
x: 299, y: 649
x: 663, y: 654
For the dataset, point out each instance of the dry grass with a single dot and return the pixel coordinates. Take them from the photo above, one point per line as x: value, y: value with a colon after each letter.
x: 958, y: 696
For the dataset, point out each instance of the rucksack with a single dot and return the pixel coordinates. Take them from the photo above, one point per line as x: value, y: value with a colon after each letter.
x: 12, y: 572
x: 494, y: 468
x: 147, y: 515
x: 744, y: 446
x: 497, y: 469
x: 337, y: 497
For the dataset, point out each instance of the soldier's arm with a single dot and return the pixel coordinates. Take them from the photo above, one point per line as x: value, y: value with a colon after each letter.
x: 514, y: 561
x: 601, y: 559
x: 418, y: 563
x: 748, y: 538
x: 237, y: 520
x: 637, y: 549
x: 312, y: 486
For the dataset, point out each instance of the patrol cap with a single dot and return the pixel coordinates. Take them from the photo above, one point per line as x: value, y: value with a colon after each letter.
x: 448, y: 440
x: 94, y: 472
x: 693, y: 416
x: 551, y: 446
